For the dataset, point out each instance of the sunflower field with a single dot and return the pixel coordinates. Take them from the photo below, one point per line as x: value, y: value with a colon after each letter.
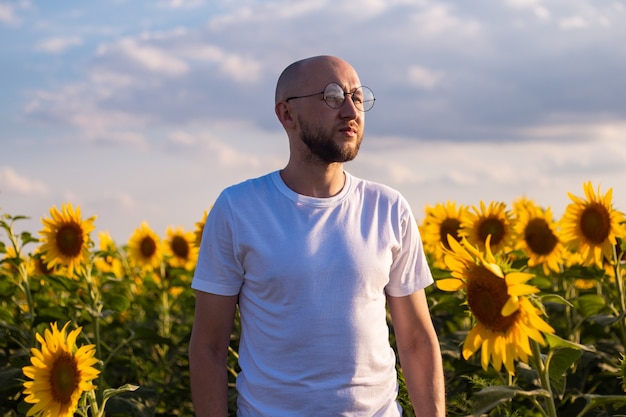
x: 530, y: 311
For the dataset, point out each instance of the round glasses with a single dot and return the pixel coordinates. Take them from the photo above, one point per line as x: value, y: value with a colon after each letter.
x: 334, y: 96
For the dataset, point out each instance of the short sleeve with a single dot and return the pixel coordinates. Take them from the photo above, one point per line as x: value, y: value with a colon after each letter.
x: 409, y: 271
x: 218, y: 270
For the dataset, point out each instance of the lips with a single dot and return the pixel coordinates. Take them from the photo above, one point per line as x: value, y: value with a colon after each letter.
x: 351, y: 130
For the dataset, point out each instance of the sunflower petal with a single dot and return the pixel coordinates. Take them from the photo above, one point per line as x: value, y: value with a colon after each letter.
x: 450, y: 284
x: 510, y: 307
x: 522, y: 289
x: 49, y: 389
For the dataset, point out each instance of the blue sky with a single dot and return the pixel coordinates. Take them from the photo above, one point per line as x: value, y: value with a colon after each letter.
x: 145, y: 110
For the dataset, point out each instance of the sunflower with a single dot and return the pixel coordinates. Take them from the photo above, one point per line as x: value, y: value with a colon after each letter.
x: 494, y: 221
x: 590, y: 226
x: 37, y: 266
x: 200, y: 228
x: 11, y: 260
x: 107, y: 261
x: 440, y: 221
x: 144, y: 247
x: 180, y: 248
x: 60, y: 373
x: 66, y: 239
x: 538, y: 236
x: 505, y: 319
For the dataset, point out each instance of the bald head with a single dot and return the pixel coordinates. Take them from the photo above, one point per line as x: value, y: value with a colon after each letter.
x: 305, y: 71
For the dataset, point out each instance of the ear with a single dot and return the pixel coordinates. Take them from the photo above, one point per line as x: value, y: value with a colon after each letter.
x: 283, y: 112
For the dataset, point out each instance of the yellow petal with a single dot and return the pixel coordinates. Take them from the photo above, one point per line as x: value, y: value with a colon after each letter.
x: 522, y: 289
x: 450, y: 284
x: 518, y: 277
x: 494, y: 268
x: 511, y: 306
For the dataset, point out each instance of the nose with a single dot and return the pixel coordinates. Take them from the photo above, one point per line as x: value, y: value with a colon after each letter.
x: 348, y: 108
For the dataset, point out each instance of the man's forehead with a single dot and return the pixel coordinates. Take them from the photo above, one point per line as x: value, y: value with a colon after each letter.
x: 347, y: 80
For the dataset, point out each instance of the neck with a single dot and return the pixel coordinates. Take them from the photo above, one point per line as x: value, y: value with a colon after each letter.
x: 315, y: 181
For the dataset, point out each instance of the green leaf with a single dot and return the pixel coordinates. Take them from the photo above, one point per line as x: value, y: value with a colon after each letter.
x: 542, y: 283
x: 51, y: 314
x: 27, y: 237
x: 490, y: 397
x: 605, y: 320
x: 556, y: 342
x: 561, y: 360
x: 7, y: 287
x: 121, y: 406
x: 108, y: 393
x: 590, y: 304
x: 555, y: 298
x: 63, y: 282
x: 594, y: 400
x: 118, y: 303
x: 10, y: 378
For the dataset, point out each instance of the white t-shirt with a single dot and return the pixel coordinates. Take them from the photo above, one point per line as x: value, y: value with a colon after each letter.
x: 312, y: 275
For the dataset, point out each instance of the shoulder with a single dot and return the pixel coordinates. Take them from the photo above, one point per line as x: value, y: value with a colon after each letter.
x: 248, y: 188
x: 372, y: 189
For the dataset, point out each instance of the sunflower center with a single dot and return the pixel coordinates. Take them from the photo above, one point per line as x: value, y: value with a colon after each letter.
x: 64, y: 378
x: 147, y: 247
x: 539, y: 237
x: 449, y: 226
x: 180, y: 247
x: 69, y: 239
x: 595, y: 223
x: 42, y: 267
x: 491, y: 226
x: 486, y: 295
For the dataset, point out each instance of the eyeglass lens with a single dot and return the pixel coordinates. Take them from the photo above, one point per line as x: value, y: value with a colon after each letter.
x: 362, y: 97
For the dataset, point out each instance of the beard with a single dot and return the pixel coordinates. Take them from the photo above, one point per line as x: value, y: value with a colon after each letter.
x: 321, y: 144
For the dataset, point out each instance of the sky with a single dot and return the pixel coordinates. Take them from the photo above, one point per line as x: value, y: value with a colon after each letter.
x: 145, y: 110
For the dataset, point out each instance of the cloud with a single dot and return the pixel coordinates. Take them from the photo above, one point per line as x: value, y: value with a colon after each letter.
x: 118, y: 137
x: 455, y: 72
x: 577, y: 131
x: 236, y: 67
x: 207, y: 144
x: 429, y: 172
x: 8, y: 15
x: 149, y: 57
x: 181, y: 4
x: 573, y: 22
x: 79, y: 105
x: 424, y: 77
x: 14, y: 183
x: 270, y: 11
x: 442, y: 19
x: 58, y: 44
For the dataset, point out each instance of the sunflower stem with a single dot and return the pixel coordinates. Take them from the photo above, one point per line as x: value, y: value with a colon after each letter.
x: 620, y: 287
x: 96, y: 307
x: 25, y: 285
x: 544, y: 376
x: 539, y: 407
x: 165, y: 302
x: 82, y: 405
x: 94, y: 404
x: 24, y: 279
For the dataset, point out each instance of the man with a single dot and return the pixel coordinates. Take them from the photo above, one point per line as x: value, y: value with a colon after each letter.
x: 312, y: 256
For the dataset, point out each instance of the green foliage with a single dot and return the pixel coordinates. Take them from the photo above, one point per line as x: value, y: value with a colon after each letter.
x: 141, y: 322
x: 141, y: 329
x: 579, y: 369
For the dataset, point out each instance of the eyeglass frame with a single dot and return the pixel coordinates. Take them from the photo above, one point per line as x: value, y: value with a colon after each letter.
x: 345, y: 93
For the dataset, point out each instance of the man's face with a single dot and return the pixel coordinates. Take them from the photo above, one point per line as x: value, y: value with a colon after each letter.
x: 335, y: 142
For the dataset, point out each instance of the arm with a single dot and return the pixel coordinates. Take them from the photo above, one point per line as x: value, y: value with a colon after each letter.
x: 208, y: 352
x: 419, y: 352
